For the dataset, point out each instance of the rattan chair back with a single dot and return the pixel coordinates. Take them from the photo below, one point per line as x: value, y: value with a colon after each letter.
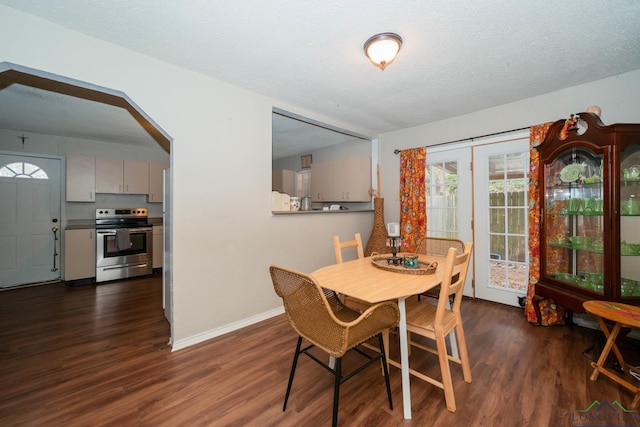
x: 439, y: 246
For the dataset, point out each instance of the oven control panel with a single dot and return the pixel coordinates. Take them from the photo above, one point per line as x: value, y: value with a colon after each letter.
x: 121, y: 213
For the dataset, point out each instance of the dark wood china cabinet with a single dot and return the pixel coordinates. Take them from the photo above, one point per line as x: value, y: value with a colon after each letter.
x: 590, y: 213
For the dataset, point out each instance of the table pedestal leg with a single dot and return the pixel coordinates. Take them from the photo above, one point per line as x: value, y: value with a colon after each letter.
x: 404, y: 360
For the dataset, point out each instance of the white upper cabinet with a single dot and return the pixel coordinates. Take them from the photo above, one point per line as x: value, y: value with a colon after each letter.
x: 122, y: 176
x: 342, y: 180
x: 81, y: 179
x: 136, y: 177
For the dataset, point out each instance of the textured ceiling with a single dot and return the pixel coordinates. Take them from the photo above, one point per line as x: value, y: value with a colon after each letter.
x: 458, y: 56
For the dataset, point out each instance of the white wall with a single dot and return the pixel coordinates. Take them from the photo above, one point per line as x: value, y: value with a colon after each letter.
x: 618, y: 96
x: 224, y: 236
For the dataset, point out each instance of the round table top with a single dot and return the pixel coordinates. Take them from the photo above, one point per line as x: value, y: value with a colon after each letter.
x: 618, y: 312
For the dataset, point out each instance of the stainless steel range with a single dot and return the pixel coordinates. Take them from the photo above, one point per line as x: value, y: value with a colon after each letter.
x: 124, y: 244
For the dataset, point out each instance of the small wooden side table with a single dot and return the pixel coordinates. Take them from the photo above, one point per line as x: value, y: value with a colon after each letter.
x: 623, y: 315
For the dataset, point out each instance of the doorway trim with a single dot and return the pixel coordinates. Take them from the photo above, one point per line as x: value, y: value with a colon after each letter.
x: 16, y: 74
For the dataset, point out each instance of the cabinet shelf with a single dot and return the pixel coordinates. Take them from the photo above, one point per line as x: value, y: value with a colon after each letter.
x: 577, y: 214
x: 577, y: 248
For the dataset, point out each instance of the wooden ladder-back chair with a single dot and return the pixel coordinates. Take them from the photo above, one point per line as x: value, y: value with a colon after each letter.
x: 338, y: 246
x: 436, y: 322
x: 318, y: 316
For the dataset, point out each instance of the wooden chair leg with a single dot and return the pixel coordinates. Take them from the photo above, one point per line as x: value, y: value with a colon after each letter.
x: 447, y: 384
x: 636, y: 401
x: 464, y: 356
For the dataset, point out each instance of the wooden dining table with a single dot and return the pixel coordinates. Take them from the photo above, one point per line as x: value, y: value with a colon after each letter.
x: 362, y: 280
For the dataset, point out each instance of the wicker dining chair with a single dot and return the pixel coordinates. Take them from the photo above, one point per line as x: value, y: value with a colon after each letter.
x: 319, y: 317
x: 351, y: 302
x: 438, y: 246
x: 436, y: 322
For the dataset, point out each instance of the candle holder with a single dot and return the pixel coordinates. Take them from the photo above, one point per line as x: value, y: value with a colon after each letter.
x: 394, y: 243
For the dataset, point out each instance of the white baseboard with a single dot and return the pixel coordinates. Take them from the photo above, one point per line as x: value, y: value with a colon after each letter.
x: 204, y: 336
x: 587, y: 320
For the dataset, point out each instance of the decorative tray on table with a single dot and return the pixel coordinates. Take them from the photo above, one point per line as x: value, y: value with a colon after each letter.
x: 381, y: 261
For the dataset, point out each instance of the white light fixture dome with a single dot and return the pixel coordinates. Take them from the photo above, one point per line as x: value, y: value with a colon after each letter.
x: 382, y: 49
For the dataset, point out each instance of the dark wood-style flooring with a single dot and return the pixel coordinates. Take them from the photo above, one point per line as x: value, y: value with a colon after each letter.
x: 97, y: 355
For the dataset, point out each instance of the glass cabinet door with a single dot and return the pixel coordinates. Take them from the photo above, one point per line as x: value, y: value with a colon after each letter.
x: 630, y: 222
x: 574, y: 220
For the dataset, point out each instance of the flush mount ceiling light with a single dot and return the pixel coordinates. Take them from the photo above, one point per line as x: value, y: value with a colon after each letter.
x: 382, y: 49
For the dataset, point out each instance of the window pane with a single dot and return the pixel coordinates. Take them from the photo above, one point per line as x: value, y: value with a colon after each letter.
x: 497, y: 220
x: 498, y: 273
x: 23, y: 170
x: 496, y: 193
x: 496, y: 167
x: 517, y: 248
x: 442, y: 199
x: 517, y: 221
x: 497, y: 247
x: 517, y: 167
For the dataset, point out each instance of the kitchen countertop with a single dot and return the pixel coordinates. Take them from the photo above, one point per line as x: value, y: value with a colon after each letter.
x: 317, y: 211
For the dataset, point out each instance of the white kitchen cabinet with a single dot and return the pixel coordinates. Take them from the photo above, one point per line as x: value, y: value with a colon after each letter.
x: 81, y: 179
x: 155, y: 182
x: 157, y: 246
x: 342, y: 180
x: 79, y: 254
x: 322, y: 186
x: 122, y: 176
x: 357, y: 179
x: 283, y: 181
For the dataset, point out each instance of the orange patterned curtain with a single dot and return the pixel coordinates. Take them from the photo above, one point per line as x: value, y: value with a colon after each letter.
x: 551, y: 314
x: 413, y: 207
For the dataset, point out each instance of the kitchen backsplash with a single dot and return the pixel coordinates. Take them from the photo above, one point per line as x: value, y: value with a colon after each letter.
x: 84, y: 210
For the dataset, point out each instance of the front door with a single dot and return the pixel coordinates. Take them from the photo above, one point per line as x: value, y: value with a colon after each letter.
x: 29, y: 213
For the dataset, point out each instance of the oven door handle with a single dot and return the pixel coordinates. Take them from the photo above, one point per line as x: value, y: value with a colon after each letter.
x: 131, y: 230
x: 140, y: 230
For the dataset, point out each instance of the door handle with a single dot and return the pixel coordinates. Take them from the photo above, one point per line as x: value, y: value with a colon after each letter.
x: 55, y: 246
